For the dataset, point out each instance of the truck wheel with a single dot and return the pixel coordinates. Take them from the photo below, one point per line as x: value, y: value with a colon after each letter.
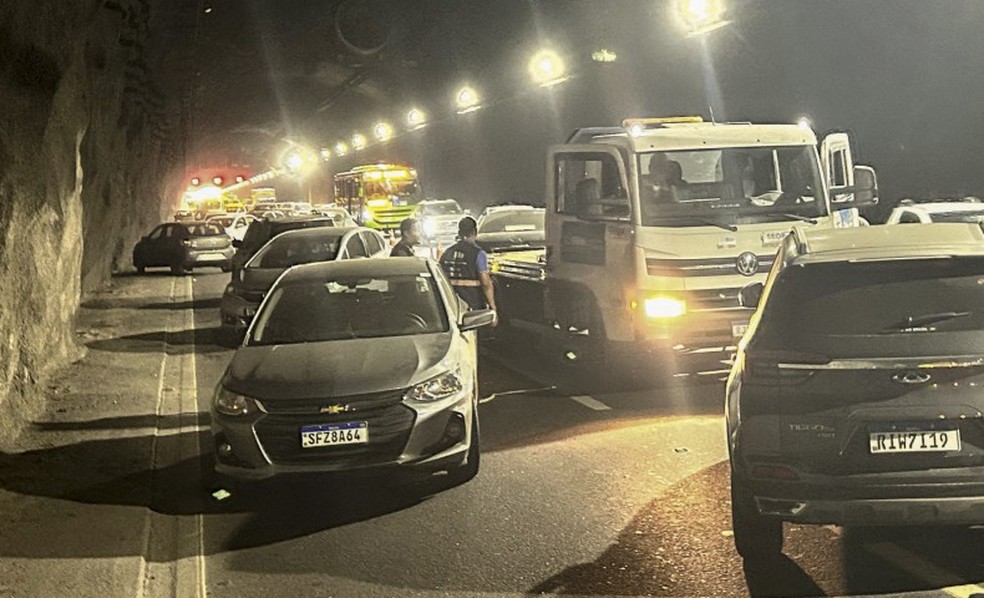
x: 756, y: 536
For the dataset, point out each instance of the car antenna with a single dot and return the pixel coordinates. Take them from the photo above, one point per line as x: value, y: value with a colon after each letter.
x: 711, y: 109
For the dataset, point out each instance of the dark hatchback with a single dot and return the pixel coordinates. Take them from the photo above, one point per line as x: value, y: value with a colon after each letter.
x: 183, y: 246
x: 857, y: 396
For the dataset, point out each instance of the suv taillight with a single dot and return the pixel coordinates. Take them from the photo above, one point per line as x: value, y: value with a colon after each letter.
x: 780, y: 367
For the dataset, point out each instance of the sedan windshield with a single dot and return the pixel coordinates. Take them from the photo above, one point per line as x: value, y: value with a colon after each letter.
x: 959, y: 216
x: 512, y: 222
x: 730, y: 186
x: 316, y: 310
x: 290, y: 250
x: 440, y: 209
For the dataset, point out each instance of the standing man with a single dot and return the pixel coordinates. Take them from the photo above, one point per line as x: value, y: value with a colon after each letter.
x: 409, y: 237
x: 467, y: 265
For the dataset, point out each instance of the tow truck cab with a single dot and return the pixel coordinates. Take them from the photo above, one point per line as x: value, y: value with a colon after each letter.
x: 654, y: 227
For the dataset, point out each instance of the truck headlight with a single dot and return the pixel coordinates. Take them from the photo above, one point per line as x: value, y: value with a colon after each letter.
x: 366, y: 215
x: 229, y: 403
x: 439, y: 387
x: 658, y: 308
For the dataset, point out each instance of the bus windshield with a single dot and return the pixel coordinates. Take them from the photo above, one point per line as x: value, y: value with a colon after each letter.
x: 731, y: 186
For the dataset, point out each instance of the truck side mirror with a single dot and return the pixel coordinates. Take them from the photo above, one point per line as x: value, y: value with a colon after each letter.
x: 750, y: 295
x: 865, y: 186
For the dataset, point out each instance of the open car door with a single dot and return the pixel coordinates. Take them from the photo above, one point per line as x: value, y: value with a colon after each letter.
x: 838, y: 170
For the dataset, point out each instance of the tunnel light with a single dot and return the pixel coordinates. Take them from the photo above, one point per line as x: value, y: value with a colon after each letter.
x: 217, y: 180
x: 547, y: 68
x: 294, y: 162
x: 699, y: 17
x: 604, y: 55
x: 325, y: 154
x: 416, y: 119
x: 382, y: 131
x: 341, y: 149
x: 358, y: 141
x: 240, y: 178
x: 195, y: 181
x: 467, y: 100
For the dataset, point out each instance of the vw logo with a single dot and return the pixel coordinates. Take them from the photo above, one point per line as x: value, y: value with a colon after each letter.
x: 747, y: 264
x: 911, y: 378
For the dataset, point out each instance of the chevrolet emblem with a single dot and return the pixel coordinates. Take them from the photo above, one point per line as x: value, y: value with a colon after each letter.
x: 334, y: 409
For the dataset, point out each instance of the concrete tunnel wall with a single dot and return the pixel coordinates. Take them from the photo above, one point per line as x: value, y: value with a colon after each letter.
x: 89, y: 148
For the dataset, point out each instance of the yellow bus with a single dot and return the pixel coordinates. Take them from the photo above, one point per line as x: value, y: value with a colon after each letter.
x: 379, y: 196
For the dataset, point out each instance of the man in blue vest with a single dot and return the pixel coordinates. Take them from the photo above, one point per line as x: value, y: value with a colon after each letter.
x: 467, y: 265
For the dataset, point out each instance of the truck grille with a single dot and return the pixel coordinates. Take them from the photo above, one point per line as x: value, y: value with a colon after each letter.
x: 390, y: 218
x: 724, y: 266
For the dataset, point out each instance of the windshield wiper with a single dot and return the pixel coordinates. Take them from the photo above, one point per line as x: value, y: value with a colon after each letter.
x: 920, y: 323
x: 728, y: 227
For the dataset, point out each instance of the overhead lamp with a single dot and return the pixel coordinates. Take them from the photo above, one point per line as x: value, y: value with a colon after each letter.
x: 217, y: 180
x: 604, y: 55
x: 196, y: 181
x: 325, y: 154
x: 341, y: 149
x: 416, y: 119
x: 240, y: 178
x: 547, y: 68
x: 700, y: 16
x: 382, y: 131
x: 467, y: 100
x: 358, y: 141
x: 294, y: 162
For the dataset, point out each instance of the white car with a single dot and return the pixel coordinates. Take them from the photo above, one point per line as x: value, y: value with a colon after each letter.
x: 235, y: 225
x: 338, y: 214
x: 907, y: 212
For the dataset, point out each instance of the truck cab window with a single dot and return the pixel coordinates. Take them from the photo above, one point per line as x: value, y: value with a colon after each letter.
x: 590, y: 187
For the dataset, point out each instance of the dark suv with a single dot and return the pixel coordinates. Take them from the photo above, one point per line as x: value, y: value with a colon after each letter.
x: 261, y: 231
x: 857, y: 394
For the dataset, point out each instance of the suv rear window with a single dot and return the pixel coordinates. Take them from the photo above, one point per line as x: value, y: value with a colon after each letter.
x: 853, y: 308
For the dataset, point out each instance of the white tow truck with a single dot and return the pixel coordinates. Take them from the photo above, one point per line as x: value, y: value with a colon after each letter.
x: 652, y: 229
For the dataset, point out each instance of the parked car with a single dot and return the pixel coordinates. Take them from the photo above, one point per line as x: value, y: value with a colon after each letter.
x: 500, y: 207
x: 183, y: 216
x: 510, y: 230
x: 969, y: 209
x: 261, y: 231
x: 183, y: 246
x: 855, y: 398
x: 300, y: 246
x: 358, y: 365
x: 235, y: 225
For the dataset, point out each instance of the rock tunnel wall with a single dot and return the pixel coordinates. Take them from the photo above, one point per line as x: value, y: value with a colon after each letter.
x: 88, y: 144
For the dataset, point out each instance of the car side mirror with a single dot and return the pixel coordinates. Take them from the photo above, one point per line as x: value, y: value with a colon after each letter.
x: 750, y: 295
x: 237, y: 243
x: 477, y: 318
x: 865, y: 186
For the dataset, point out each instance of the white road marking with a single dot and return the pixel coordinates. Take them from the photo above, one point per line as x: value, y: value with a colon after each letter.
x: 523, y: 391
x: 924, y: 569
x: 591, y: 402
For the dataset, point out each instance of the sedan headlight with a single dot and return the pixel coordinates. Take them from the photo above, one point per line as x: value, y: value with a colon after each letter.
x: 440, y: 387
x: 430, y: 227
x: 229, y: 403
x: 658, y: 308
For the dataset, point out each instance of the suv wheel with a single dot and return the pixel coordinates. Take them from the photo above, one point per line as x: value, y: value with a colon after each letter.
x: 756, y: 536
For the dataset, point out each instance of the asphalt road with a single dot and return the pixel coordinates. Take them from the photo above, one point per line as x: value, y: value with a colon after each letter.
x: 602, y: 494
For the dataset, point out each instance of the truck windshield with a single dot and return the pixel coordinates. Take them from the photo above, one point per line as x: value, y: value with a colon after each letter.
x: 731, y: 186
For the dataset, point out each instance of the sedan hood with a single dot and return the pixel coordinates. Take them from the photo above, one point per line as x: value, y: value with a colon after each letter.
x: 335, y: 368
